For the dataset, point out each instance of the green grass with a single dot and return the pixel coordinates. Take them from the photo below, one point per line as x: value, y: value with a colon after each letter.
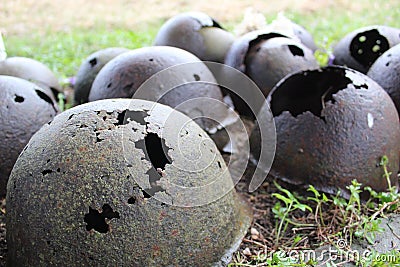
x: 327, y: 220
x: 63, y: 52
x: 329, y: 26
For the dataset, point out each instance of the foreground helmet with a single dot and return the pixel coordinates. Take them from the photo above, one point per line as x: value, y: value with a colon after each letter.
x: 122, y: 183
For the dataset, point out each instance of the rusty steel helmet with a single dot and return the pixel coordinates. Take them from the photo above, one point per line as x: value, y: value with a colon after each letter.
x: 333, y: 125
x: 292, y: 29
x: 31, y: 70
x: 122, y: 182
x: 123, y: 75
x: 236, y: 55
x: 269, y: 61
x: 386, y: 72
x: 126, y: 73
x: 304, y: 36
x: 89, y: 69
x: 24, y: 108
x: 266, y: 57
x: 360, y: 48
x: 197, y: 33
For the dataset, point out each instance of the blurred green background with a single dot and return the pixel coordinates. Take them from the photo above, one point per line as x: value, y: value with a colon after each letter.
x: 61, y: 34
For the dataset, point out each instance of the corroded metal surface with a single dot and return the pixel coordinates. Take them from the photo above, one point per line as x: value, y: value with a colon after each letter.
x: 98, y: 186
x: 304, y: 36
x: 360, y: 48
x: 31, y: 70
x: 126, y: 73
x: 236, y: 55
x: 197, y: 33
x: 89, y: 69
x: 386, y: 72
x: 267, y: 57
x: 184, y: 80
x: 333, y: 125
x: 269, y: 61
x: 24, y: 108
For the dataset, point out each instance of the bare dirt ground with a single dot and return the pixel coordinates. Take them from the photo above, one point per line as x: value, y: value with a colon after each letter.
x: 27, y: 16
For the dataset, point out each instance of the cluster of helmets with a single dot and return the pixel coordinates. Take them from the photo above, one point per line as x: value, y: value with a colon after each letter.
x: 136, y: 174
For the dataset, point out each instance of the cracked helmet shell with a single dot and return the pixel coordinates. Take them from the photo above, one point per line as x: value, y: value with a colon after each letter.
x: 87, y: 163
x: 236, y: 56
x: 356, y: 49
x: 198, y: 33
x: 267, y: 62
x: 304, y: 36
x: 252, y: 52
x: 328, y: 144
x: 89, y: 69
x: 24, y: 108
x: 31, y: 70
x: 123, y: 76
x: 386, y: 72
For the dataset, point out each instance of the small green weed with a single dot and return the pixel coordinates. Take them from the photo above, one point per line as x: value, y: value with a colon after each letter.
x: 292, y: 204
x: 328, y: 219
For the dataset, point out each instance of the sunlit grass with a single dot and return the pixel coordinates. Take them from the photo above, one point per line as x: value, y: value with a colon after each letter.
x: 63, y: 52
x: 332, y: 25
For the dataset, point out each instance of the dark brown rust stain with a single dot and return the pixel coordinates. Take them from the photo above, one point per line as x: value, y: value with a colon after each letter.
x: 163, y: 215
x: 156, y: 250
x: 175, y: 232
x: 316, y: 91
